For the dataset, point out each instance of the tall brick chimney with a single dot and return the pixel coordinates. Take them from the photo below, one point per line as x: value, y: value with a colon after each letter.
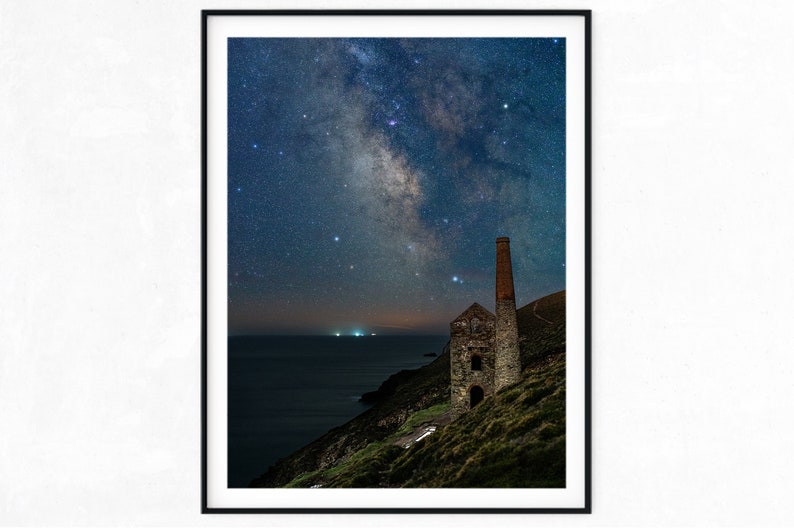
x: 508, y: 360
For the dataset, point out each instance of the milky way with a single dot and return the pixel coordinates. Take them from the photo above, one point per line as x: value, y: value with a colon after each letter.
x: 369, y: 179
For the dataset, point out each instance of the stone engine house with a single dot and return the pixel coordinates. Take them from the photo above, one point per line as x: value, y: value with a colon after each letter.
x: 472, y: 358
x: 484, y: 355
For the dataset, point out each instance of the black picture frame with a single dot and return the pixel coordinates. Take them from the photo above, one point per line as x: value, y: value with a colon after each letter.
x: 210, y: 504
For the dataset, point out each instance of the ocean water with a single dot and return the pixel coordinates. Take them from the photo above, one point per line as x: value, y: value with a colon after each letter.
x: 286, y: 391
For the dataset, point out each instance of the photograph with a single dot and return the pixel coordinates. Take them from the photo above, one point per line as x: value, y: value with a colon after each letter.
x: 344, y: 264
x: 395, y: 236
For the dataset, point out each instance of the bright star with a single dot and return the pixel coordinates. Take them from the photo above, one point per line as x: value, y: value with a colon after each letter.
x: 336, y: 238
x: 504, y: 106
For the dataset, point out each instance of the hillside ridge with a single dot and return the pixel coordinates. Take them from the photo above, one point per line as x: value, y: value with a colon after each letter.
x: 515, y: 438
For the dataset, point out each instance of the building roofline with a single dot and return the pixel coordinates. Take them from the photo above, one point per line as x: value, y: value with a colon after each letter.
x: 472, y: 307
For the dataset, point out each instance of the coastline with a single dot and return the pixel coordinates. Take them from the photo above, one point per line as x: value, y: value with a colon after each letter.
x: 288, y: 391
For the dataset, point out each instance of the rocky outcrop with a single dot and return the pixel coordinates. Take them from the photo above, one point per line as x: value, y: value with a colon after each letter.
x: 389, y: 386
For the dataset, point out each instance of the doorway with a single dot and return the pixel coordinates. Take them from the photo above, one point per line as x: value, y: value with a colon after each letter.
x: 476, y: 395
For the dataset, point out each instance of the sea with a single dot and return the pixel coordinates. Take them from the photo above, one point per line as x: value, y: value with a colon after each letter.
x: 286, y: 391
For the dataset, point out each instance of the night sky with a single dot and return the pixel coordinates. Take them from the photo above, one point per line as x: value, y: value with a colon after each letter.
x: 369, y: 179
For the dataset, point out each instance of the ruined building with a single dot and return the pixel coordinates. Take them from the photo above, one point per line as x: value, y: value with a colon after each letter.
x: 484, y: 354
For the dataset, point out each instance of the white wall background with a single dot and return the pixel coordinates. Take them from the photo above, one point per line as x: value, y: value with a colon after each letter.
x: 693, y: 297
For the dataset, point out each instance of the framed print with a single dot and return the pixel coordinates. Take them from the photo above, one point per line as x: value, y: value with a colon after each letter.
x: 396, y: 261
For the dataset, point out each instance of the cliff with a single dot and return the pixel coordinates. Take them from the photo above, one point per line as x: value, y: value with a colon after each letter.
x: 514, y: 439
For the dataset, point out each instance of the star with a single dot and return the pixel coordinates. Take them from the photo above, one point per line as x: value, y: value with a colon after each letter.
x: 420, y: 129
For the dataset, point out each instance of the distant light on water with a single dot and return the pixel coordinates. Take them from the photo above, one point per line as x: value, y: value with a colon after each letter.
x: 354, y: 333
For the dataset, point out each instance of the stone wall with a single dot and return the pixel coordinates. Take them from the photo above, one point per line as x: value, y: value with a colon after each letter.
x: 471, y: 334
x: 508, y: 359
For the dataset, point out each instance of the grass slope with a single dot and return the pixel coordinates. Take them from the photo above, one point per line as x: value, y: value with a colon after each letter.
x: 514, y: 439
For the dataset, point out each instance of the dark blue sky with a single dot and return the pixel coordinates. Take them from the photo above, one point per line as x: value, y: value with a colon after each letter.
x: 369, y: 179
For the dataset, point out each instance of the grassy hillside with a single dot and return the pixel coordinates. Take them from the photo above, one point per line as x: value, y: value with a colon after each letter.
x: 514, y: 439
x: 541, y: 328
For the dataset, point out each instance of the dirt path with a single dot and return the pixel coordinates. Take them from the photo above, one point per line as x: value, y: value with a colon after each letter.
x: 538, y: 316
x: 423, y: 430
